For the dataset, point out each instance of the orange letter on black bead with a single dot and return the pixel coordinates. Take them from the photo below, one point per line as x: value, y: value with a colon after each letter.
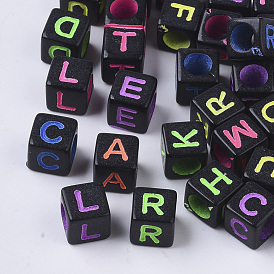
x: 121, y: 151
x: 118, y: 180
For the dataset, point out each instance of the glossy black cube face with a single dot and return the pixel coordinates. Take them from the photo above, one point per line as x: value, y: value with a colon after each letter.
x: 196, y: 71
x: 90, y: 8
x: 153, y: 217
x: 209, y: 190
x: 213, y: 31
x: 234, y: 141
x: 183, y: 149
x: 115, y: 162
x: 126, y: 12
x: 249, y: 215
x: 243, y: 38
x: 85, y: 213
x: 69, y: 85
x: 263, y: 6
x: 65, y: 34
x: 178, y: 24
x: 263, y: 114
x: 131, y: 101
x: 215, y: 106
x: 123, y: 49
x: 242, y: 6
x: 252, y: 80
x: 52, y: 144
x: 260, y: 168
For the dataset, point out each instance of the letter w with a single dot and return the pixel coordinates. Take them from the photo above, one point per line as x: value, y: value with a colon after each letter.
x: 235, y: 139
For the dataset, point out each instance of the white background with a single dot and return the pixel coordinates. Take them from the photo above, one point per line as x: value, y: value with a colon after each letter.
x: 32, y: 238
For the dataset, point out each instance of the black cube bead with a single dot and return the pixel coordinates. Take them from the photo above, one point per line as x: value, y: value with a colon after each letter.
x: 123, y: 49
x: 215, y: 106
x: 249, y: 215
x: 241, y: 6
x: 260, y: 168
x: 263, y: 114
x: 131, y: 101
x: 209, y: 190
x: 115, y: 162
x: 252, y: 80
x: 196, y: 71
x: 183, y: 149
x: 234, y: 141
x: 263, y: 6
x: 251, y: 38
x: 126, y: 12
x: 90, y: 8
x: 243, y: 38
x: 69, y: 85
x: 85, y: 213
x: 153, y: 217
x: 179, y: 24
x: 213, y: 31
x: 66, y: 33
x: 52, y: 144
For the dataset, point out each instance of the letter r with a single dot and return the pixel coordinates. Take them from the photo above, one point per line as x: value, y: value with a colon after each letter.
x: 269, y: 38
x: 153, y: 235
x: 155, y: 206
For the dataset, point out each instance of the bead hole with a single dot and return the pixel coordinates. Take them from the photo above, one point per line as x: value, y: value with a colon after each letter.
x: 222, y: 156
x: 242, y: 38
x: 176, y: 40
x: 267, y: 229
x: 64, y: 218
x: 152, y: 107
x: 186, y: 166
x: 123, y: 9
x: 198, y: 64
x: 215, y: 27
x: 253, y: 76
x: 199, y: 207
x: 73, y: 149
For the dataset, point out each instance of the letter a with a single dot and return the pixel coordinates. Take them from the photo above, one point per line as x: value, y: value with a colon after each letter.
x: 118, y: 180
x: 112, y: 151
x: 235, y: 139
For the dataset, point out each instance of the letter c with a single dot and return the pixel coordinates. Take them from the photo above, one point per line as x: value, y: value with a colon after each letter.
x: 246, y: 198
x: 41, y: 163
x: 43, y: 132
x: 232, y: 224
